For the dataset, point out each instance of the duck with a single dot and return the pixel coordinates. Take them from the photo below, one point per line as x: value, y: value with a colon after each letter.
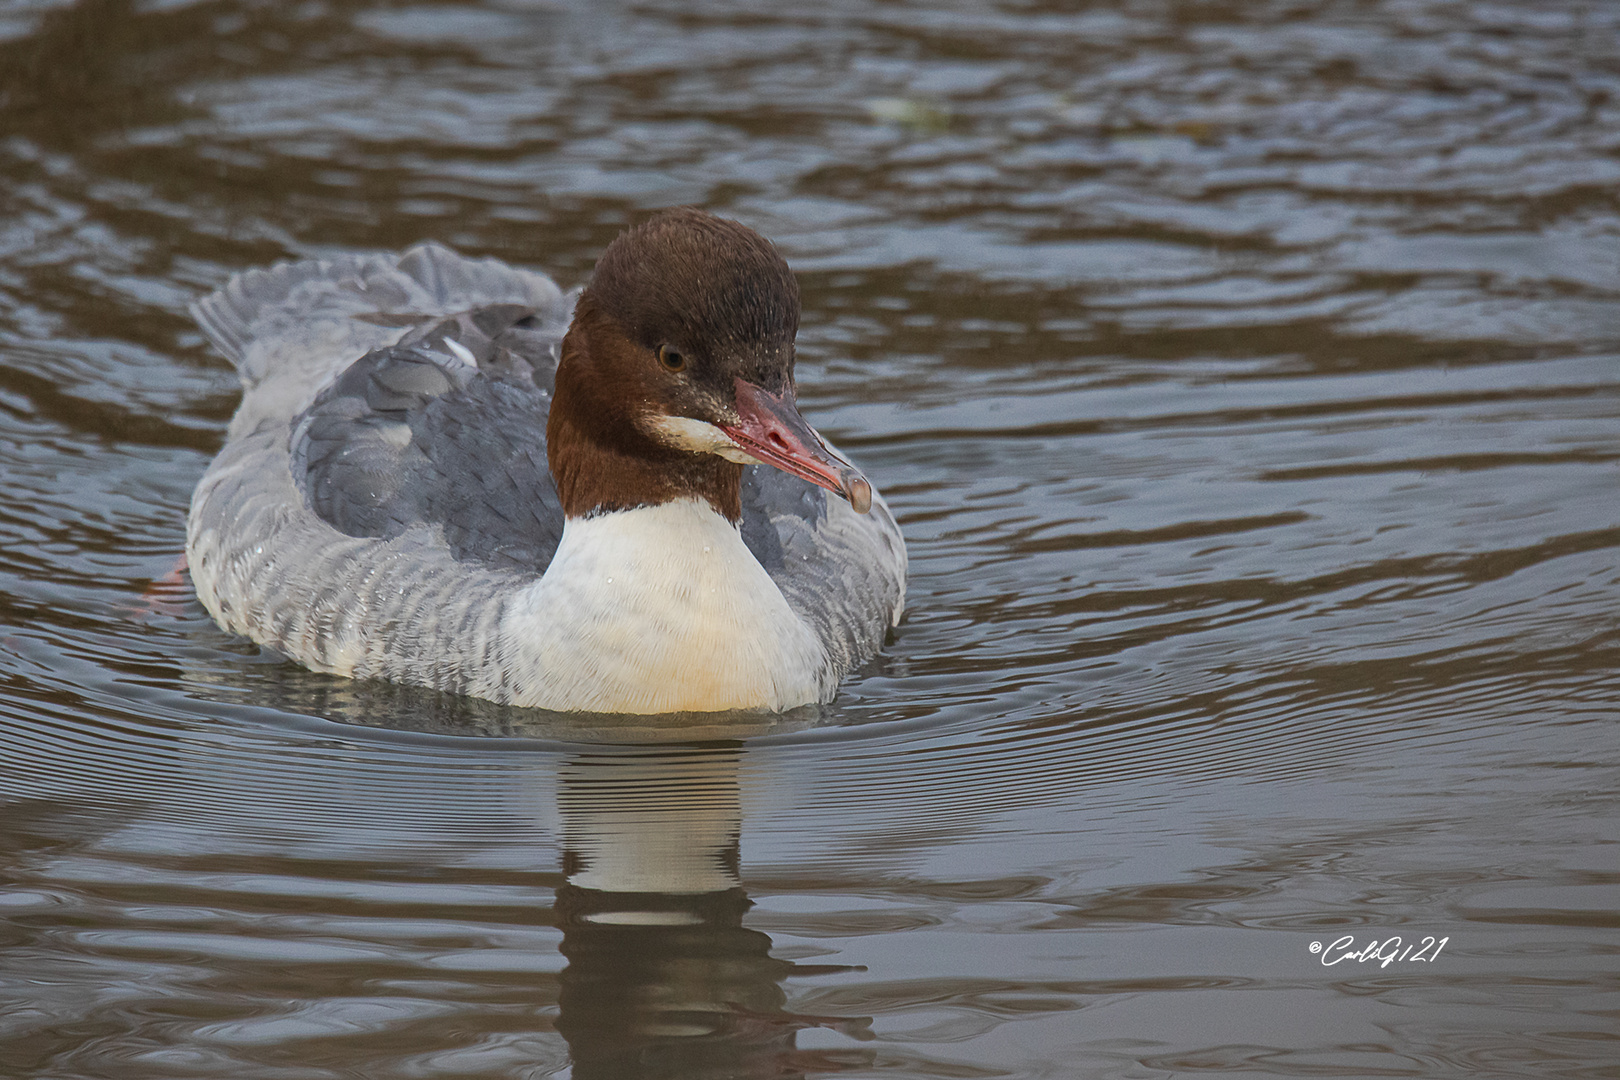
x: 446, y: 472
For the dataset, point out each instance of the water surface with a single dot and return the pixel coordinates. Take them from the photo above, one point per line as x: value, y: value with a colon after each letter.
x: 1245, y: 377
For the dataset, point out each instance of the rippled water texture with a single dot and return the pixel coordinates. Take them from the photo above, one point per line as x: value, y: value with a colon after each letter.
x: 1245, y: 376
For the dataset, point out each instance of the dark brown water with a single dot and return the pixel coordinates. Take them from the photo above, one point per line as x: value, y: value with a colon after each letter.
x: 1245, y: 376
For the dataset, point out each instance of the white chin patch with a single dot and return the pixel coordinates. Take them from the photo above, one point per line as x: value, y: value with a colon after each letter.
x: 699, y: 436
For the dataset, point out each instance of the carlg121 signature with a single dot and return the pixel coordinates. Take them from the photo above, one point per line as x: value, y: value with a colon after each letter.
x: 1385, y: 951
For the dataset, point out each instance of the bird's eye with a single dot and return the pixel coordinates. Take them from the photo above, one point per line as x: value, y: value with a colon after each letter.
x: 671, y: 359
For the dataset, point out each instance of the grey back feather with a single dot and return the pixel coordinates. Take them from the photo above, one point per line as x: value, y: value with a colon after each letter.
x: 289, y: 329
x: 445, y: 429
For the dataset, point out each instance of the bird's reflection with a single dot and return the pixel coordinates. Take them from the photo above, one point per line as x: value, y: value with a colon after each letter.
x: 663, y: 979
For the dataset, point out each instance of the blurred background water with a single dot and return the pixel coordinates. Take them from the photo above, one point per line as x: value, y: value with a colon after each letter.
x: 1244, y: 377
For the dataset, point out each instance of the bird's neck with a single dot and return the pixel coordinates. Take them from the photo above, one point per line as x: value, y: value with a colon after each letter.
x: 601, y: 458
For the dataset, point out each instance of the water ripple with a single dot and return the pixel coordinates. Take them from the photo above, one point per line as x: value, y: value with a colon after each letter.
x: 1245, y: 381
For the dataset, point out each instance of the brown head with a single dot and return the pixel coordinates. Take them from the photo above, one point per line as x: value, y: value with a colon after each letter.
x: 678, y: 370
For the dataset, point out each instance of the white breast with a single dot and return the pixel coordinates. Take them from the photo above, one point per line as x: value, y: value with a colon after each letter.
x: 658, y: 609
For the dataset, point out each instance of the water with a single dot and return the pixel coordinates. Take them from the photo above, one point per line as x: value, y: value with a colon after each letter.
x: 1244, y: 377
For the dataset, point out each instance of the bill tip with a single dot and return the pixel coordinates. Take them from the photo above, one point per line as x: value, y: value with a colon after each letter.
x: 858, y: 492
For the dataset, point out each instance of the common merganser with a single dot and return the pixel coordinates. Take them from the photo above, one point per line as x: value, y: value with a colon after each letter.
x: 448, y: 473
